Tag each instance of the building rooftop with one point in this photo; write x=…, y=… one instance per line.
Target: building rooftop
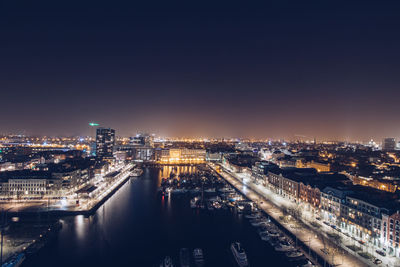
x=24, y=174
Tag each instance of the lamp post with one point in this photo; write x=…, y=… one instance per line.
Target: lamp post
x=309, y=243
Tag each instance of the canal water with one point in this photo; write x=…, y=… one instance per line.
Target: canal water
x=138, y=227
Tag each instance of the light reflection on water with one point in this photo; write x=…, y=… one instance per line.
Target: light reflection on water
x=80, y=226
x=165, y=171
x=137, y=227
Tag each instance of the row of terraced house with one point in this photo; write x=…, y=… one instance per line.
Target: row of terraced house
x=364, y=213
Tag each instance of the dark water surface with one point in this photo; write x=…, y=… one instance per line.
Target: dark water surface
x=137, y=227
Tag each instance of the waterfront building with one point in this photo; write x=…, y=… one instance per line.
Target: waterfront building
x=360, y=212
x=181, y=156
x=120, y=155
x=260, y=170
x=333, y=199
x=310, y=194
x=128, y=149
x=367, y=213
x=105, y=141
x=239, y=162
x=48, y=180
x=144, y=153
x=140, y=148
x=286, y=182
x=27, y=187
x=142, y=140
x=19, y=184
x=283, y=186
x=391, y=232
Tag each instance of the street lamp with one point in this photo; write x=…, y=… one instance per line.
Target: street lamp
x=309, y=243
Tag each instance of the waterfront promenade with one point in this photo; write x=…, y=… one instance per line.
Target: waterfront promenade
x=332, y=254
x=68, y=206
x=26, y=235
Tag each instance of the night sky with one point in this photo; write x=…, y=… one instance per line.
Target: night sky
x=328, y=69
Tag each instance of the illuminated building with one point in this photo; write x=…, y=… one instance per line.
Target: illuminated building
x=105, y=140
x=378, y=184
x=332, y=203
x=360, y=212
x=391, y=232
x=142, y=140
x=260, y=170
x=181, y=156
x=319, y=166
x=28, y=187
x=120, y=155
x=144, y=153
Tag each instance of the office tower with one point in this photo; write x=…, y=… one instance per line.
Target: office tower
x=105, y=140
x=388, y=144
x=143, y=140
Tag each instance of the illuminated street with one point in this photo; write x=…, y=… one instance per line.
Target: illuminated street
x=233, y=133
x=104, y=188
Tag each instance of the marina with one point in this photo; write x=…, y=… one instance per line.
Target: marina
x=146, y=227
x=213, y=193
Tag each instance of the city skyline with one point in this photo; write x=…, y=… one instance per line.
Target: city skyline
x=200, y=133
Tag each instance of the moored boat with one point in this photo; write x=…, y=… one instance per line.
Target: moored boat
x=272, y=233
x=252, y=216
x=284, y=246
x=217, y=205
x=194, y=203
x=137, y=172
x=239, y=254
x=294, y=254
x=15, y=261
x=210, y=190
x=264, y=236
x=184, y=257
x=167, y=262
x=198, y=257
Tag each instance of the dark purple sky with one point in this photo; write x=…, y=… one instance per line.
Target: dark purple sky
x=329, y=69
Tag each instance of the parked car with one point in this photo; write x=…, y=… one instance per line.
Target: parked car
x=377, y=261
x=325, y=251
x=380, y=252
